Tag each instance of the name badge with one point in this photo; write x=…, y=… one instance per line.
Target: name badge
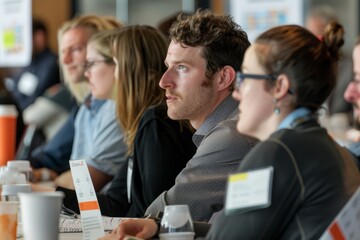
x=250, y=190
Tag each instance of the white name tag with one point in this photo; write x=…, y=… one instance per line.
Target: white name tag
x=249, y=190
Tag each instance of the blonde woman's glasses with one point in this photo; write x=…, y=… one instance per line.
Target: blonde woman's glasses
x=89, y=64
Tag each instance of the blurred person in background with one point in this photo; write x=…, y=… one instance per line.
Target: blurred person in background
x=75, y=140
x=41, y=74
x=352, y=95
x=317, y=19
x=338, y=112
x=31, y=82
x=50, y=111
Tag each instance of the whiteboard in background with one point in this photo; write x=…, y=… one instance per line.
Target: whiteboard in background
x=15, y=33
x=257, y=16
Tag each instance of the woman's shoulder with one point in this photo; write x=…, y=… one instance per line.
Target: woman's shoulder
x=157, y=118
x=299, y=133
x=154, y=113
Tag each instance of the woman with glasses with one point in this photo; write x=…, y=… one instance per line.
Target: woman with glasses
x=98, y=137
x=293, y=183
x=158, y=147
x=303, y=171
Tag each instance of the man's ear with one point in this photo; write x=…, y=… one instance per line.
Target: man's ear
x=282, y=86
x=226, y=77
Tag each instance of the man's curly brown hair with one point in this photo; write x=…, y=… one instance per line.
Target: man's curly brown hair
x=223, y=41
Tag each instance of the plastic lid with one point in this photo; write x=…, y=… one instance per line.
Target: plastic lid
x=8, y=110
x=21, y=165
x=11, y=169
x=56, y=194
x=14, y=189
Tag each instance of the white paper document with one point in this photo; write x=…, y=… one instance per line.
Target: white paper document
x=67, y=224
x=92, y=222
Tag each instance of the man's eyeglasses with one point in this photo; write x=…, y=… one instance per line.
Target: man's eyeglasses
x=89, y=64
x=240, y=77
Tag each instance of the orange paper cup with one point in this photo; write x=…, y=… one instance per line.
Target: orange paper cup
x=8, y=116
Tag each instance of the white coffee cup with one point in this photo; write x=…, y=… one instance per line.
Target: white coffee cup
x=40, y=215
x=176, y=223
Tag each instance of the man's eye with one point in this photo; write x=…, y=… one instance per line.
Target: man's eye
x=77, y=49
x=181, y=67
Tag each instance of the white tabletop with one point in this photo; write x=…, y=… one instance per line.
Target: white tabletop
x=70, y=236
x=66, y=236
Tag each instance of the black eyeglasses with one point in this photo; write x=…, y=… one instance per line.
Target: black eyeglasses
x=87, y=65
x=240, y=77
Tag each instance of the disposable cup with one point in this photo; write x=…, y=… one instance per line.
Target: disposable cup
x=176, y=218
x=177, y=236
x=176, y=223
x=8, y=220
x=40, y=212
x=10, y=192
x=23, y=166
x=8, y=115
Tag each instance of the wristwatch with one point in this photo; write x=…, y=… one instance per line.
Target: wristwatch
x=157, y=220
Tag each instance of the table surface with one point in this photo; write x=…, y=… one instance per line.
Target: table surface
x=62, y=236
x=66, y=236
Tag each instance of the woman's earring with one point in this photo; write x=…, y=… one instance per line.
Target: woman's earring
x=276, y=109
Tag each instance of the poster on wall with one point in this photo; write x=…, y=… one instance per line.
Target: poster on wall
x=256, y=16
x=15, y=33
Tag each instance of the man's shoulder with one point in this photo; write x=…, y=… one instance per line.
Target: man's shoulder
x=224, y=137
x=230, y=123
x=228, y=128
x=46, y=59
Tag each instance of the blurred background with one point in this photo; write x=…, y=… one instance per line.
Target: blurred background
x=153, y=11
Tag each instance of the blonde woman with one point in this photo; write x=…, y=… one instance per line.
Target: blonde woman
x=74, y=140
